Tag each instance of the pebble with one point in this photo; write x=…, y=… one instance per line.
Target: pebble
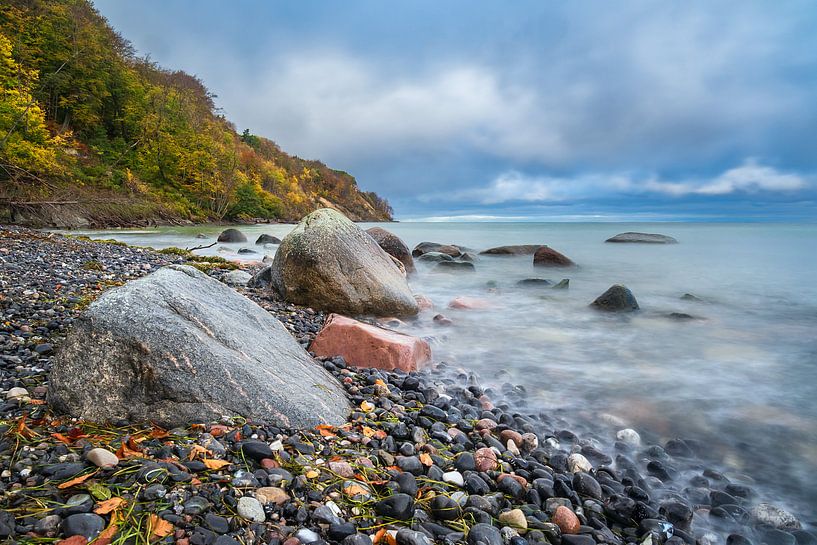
x=629, y=437
x=103, y=458
x=251, y=509
x=271, y=494
x=16, y=393
x=566, y=520
x=514, y=518
x=577, y=462
x=484, y=534
x=87, y=525
x=454, y=477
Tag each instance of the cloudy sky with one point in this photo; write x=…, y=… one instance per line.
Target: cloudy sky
x=534, y=110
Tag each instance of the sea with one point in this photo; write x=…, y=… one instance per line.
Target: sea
x=738, y=378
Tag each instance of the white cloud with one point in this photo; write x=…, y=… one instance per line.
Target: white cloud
x=513, y=186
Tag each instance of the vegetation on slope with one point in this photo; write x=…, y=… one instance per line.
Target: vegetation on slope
x=84, y=120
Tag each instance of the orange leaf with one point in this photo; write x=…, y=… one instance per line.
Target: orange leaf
x=325, y=430
x=158, y=433
x=197, y=451
x=355, y=489
x=215, y=464
x=61, y=437
x=380, y=434
x=77, y=480
x=158, y=527
x=368, y=432
x=125, y=451
x=106, y=536
x=366, y=407
x=107, y=506
x=426, y=460
x=383, y=536
x=23, y=429
x=36, y=401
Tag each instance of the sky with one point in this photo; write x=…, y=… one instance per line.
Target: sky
x=529, y=110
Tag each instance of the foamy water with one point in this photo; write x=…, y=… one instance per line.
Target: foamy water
x=742, y=379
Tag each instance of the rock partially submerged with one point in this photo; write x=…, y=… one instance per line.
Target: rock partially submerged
x=393, y=245
x=365, y=345
x=455, y=266
x=426, y=247
x=519, y=249
x=617, y=298
x=328, y=262
x=177, y=347
x=546, y=256
x=232, y=235
x=267, y=239
x=644, y=238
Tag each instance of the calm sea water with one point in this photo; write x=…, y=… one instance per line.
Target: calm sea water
x=742, y=379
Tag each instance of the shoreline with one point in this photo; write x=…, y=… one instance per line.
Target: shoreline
x=443, y=405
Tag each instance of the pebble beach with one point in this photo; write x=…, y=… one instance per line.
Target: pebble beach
x=424, y=457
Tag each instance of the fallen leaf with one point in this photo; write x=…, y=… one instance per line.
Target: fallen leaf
x=36, y=402
x=159, y=433
x=383, y=536
x=368, y=432
x=125, y=451
x=105, y=537
x=215, y=464
x=425, y=459
x=197, y=451
x=380, y=435
x=355, y=489
x=61, y=437
x=107, y=506
x=312, y=474
x=23, y=429
x=76, y=480
x=325, y=430
x=366, y=407
x=158, y=527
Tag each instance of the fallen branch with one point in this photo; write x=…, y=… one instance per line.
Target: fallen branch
x=201, y=247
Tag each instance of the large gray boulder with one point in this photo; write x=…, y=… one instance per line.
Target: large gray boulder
x=177, y=347
x=328, y=262
x=643, y=238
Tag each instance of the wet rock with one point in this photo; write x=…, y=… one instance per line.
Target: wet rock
x=629, y=437
x=393, y=245
x=187, y=331
x=271, y=494
x=616, y=299
x=577, y=462
x=435, y=257
x=586, y=486
x=514, y=518
x=775, y=517
x=444, y=508
x=267, y=239
x=397, y=506
x=87, y=525
x=366, y=345
x=644, y=238
x=428, y=247
x=469, y=303
x=520, y=249
x=485, y=459
x=566, y=520
x=410, y=537
x=328, y=262
x=484, y=534
x=548, y=257
x=455, y=266
x=232, y=235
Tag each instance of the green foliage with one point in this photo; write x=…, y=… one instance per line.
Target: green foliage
x=172, y=250
x=80, y=110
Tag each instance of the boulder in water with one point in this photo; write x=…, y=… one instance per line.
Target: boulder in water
x=644, y=238
x=455, y=266
x=531, y=282
x=267, y=239
x=616, y=299
x=434, y=257
x=519, y=249
x=393, y=245
x=176, y=347
x=546, y=256
x=426, y=247
x=328, y=262
x=232, y=235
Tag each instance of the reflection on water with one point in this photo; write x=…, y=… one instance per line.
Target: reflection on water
x=740, y=377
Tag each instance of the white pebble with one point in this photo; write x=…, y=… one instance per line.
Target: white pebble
x=629, y=436
x=577, y=462
x=251, y=509
x=306, y=535
x=453, y=477
x=103, y=458
x=17, y=393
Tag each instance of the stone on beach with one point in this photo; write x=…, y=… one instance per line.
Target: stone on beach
x=617, y=298
x=393, y=245
x=237, y=278
x=546, y=256
x=454, y=266
x=176, y=347
x=645, y=238
x=365, y=345
x=232, y=235
x=103, y=458
x=328, y=262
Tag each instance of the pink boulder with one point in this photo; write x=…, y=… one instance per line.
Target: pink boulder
x=364, y=345
x=423, y=302
x=469, y=303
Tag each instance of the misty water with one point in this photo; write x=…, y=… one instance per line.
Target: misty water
x=742, y=379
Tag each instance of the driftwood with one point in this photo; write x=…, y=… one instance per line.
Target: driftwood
x=201, y=247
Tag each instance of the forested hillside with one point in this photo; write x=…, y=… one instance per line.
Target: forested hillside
x=109, y=138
